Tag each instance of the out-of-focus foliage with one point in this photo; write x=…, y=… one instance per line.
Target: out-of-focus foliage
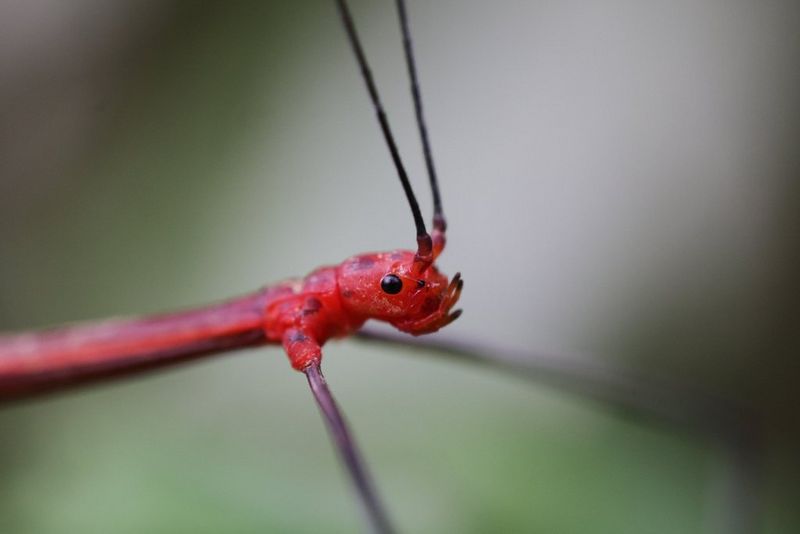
x=621, y=181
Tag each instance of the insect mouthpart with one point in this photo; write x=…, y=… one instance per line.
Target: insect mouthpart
x=441, y=316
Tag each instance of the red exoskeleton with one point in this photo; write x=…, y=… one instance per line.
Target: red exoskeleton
x=401, y=287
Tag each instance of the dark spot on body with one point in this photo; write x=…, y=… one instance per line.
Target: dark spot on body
x=347, y=294
x=362, y=263
x=312, y=306
x=298, y=337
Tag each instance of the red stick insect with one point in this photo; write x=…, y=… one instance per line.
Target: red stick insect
x=401, y=287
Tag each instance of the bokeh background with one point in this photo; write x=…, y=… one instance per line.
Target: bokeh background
x=621, y=180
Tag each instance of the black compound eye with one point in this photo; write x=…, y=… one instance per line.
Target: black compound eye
x=391, y=284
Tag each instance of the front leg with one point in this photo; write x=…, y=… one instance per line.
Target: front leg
x=301, y=348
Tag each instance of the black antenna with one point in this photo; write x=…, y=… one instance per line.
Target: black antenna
x=438, y=215
x=423, y=239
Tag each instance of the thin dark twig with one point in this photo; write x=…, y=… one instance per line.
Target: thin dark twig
x=348, y=451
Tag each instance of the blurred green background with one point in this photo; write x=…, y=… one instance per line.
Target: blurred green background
x=621, y=182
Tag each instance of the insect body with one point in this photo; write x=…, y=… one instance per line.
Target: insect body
x=302, y=315
x=402, y=287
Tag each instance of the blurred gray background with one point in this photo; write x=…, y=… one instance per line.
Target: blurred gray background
x=620, y=179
